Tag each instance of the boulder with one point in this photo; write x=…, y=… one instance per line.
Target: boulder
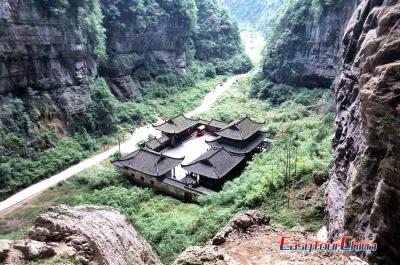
x=201, y=256
x=90, y=235
x=99, y=235
x=241, y=222
x=34, y=249
x=5, y=247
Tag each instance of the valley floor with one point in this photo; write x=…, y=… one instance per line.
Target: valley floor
x=170, y=225
x=287, y=182
x=140, y=134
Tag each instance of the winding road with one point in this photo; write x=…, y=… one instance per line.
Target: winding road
x=129, y=146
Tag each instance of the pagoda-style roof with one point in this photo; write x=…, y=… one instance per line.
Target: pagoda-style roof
x=217, y=124
x=240, y=129
x=148, y=162
x=215, y=163
x=155, y=143
x=176, y=125
x=241, y=148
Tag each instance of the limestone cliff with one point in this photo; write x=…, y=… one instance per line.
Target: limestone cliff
x=90, y=235
x=363, y=197
x=304, y=46
x=50, y=49
x=42, y=51
x=134, y=47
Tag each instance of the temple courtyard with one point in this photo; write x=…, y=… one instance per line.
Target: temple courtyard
x=191, y=149
x=193, y=157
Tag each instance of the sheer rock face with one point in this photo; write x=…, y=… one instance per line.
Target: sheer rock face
x=44, y=51
x=41, y=51
x=314, y=63
x=363, y=197
x=131, y=49
x=91, y=235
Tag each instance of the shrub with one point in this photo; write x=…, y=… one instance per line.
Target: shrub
x=275, y=93
x=210, y=71
x=18, y=172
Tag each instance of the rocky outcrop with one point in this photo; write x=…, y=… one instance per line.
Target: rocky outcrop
x=363, y=196
x=241, y=223
x=248, y=239
x=91, y=235
x=305, y=46
x=133, y=50
x=42, y=51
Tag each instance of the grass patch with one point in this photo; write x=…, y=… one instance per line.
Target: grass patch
x=166, y=101
x=171, y=226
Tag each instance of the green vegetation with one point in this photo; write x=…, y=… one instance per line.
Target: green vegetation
x=286, y=38
x=216, y=36
x=288, y=35
x=276, y=181
x=89, y=15
x=216, y=39
x=18, y=172
x=319, y=6
x=147, y=13
x=30, y=152
x=279, y=181
x=264, y=19
x=278, y=93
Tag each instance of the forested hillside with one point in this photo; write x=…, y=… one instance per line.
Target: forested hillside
x=304, y=46
x=80, y=75
x=76, y=72
x=260, y=14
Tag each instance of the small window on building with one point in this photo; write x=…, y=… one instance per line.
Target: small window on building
x=142, y=178
x=152, y=183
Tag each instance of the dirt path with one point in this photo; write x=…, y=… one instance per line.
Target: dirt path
x=140, y=134
x=213, y=96
x=260, y=246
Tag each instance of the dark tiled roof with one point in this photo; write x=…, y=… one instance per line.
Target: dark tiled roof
x=163, y=139
x=157, y=143
x=240, y=129
x=215, y=163
x=176, y=125
x=203, y=122
x=217, y=124
x=148, y=162
x=153, y=144
x=241, y=148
